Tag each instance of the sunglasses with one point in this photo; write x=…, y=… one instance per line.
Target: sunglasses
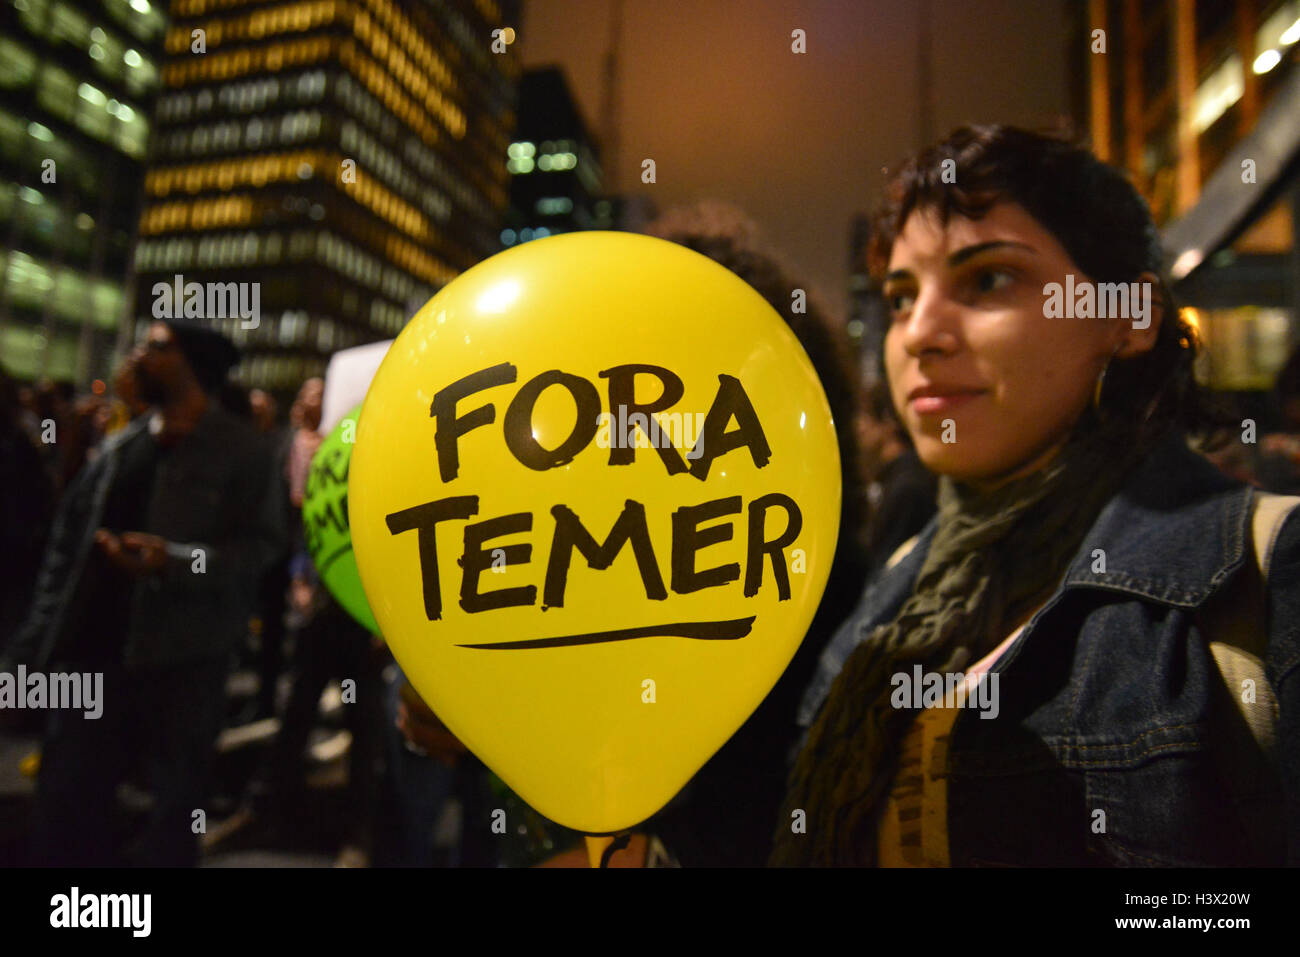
x=159, y=345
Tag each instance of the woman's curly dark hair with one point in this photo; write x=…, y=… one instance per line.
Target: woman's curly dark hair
x=1097, y=216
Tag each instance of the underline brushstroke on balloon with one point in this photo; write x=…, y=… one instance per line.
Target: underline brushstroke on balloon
x=728, y=630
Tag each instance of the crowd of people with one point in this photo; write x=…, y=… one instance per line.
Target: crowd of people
x=152, y=533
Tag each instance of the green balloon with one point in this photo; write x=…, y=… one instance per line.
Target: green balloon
x=325, y=521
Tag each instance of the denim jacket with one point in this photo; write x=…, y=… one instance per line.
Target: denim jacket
x=1111, y=700
x=214, y=501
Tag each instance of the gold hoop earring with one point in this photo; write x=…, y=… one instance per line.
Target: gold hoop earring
x=1096, y=392
x=1101, y=382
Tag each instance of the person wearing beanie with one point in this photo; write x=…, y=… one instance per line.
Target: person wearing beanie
x=208, y=353
x=148, y=579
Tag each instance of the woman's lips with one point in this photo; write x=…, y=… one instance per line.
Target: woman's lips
x=933, y=404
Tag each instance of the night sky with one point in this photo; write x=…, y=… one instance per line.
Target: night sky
x=712, y=92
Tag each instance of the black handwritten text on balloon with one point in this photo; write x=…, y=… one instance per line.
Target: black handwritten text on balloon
x=325, y=507
x=630, y=529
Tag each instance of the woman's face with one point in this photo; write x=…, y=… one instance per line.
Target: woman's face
x=987, y=386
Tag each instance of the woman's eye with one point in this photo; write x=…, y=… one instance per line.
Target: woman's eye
x=991, y=280
x=899, y=301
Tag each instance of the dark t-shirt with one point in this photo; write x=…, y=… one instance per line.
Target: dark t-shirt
x=104, y=609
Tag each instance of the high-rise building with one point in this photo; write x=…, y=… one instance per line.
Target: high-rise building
x=77, y=83
x=1199, y=101
x=337, y=161
x=554, y=165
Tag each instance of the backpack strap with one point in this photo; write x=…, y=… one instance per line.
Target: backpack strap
x=1239, y=640
x=1235, y=624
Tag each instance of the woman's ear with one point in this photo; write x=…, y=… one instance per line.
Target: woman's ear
x=1147, y=311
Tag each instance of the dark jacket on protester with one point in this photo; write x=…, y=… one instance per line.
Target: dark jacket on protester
x=213, y=491
x=1111, y=698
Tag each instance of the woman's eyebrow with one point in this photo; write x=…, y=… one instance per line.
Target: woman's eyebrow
x=961, y=255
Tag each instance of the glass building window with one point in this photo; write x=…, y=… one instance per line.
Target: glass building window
x=33, y=13
x=142, y=18
x=58, y=92
x=108, y=54
x=133, y=134
x=17, y=65
x=92, y=114
x=13, y=135
x=141, y=73
x=69, y=25
x=28, y=281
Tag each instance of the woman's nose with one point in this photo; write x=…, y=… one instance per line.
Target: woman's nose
x=932, y=325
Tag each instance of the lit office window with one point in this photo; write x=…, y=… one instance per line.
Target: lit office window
x=13, y=135
x=292, y=327
x=141, y=73
x=132, y=129
x=57, y=92
x=29, y=282
x=33, y=14
x=108, y=54
x=140, y=17
x=1220, y=90
x=17, y=65
x=69, y=25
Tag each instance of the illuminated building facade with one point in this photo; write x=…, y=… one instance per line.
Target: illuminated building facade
x=344, y=154
x=1199, y=101
x=553, y=162
x=77, y=81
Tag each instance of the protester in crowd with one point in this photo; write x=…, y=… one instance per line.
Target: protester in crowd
x=265, y=411
x=234, y=399
x=29, y=417
x=273, y=590
x=328, y=645
x=440, y=792
x=48, y=412
x=421, y=757
x=148, y=580
x=1083, y=560
x=304, y=417
x=80, y=432
x=25, y=510
x=118, y=412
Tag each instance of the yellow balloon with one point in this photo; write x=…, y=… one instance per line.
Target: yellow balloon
x=594, y=501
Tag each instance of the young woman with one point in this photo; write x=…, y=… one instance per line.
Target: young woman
x=1120, y=682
